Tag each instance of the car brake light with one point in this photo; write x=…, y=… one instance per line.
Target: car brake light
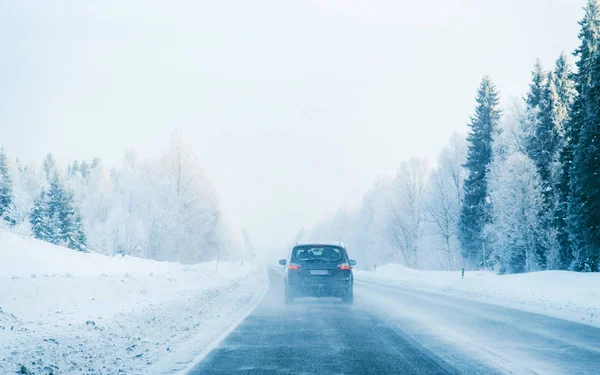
x=344, y=266
x=293, y=267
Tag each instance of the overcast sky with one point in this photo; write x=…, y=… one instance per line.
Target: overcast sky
x=294, y=107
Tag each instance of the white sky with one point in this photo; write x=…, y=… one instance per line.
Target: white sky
x=294, y=107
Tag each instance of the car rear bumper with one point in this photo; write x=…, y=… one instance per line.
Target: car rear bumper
x=326, y=287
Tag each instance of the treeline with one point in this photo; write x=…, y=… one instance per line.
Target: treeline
x=163, y=209
x=524, y=197
x=411, y=218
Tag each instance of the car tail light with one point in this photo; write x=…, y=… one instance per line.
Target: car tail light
x=293, y=267
x=344, y=266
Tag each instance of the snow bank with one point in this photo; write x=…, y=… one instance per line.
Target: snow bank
x=566, y=295
x=22, y=257
x=88, y=313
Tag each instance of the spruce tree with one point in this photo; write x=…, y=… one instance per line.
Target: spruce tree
x=49, y=167
x=84, y=168
x=54, y=201
x=565, y=88
x=546, y=143
x=581, y=157
x=565, y=93
x=95, y=162
x=533, y=108
x=39, y=218
x=536, y=88
x=64, y=221
x=72, y=234
x=75, y=167
x=535, y=122
x=475, y=209
x=548, y=135
x=6, y=192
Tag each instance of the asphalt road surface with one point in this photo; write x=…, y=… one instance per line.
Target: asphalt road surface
x=395, y=330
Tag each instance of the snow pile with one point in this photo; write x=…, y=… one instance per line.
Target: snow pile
x=73, y=312
x=566, y=295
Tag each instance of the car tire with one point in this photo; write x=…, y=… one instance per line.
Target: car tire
x=289, y=297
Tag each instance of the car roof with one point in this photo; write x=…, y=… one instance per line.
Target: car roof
x=321, y=243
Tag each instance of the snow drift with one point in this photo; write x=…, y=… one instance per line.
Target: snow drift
x=71, y=312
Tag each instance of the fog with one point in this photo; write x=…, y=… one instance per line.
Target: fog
x=293, y=108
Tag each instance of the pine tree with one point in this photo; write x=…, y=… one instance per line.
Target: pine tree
x=80, y=239
x=55, y=218
x=6, y=192
x=582, y=156
x=49, y=167
x=74, y=168
x=95, y=163
x=565, y=92
x=475, y=209
x=39, y=218
x=536, y=88
x=72, y=234
x=84, y=168
x=565, y=87
x=533, y=108
x=548, y=134
x=534, y=122
x=65, y=223
x=54, y=201
x=546, y=142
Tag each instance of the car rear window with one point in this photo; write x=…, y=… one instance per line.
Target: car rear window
x=317, y=253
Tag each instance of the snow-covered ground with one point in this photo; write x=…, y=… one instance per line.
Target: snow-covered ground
x=67, y=312
x=565, y=295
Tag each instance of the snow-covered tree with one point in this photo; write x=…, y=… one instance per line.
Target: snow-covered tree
x=535, y=95
x=55, y=218
x=370, y=235
x=6, y=188
x=445, y=197
x=534, y=101
x=26, y=185
x=407, y=210
x=64, y=220
x=475, y=209
x=583, y=152
x=515, y=229
x=95, y=162
x=164, y=209
x=513, y=183
x=84, y=169
x=542, y=124
x=192, y=209
x=364, y=229
x=548, y=134
x=95, y=197
x=39, y=218
x=130, y=218
x=49, y=167
x=73, y=168
x=550, y=140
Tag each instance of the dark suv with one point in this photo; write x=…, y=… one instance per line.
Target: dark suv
x=319, y=270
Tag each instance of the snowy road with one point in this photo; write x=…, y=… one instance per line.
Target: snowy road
x=462, y=332
x=393, y=330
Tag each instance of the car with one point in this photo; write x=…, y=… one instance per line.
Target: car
x=319, y=270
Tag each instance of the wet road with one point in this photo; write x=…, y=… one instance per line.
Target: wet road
x=465, y=332
x=398, y=330
x=320, y=336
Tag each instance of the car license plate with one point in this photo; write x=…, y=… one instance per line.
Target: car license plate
x=318, y=272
